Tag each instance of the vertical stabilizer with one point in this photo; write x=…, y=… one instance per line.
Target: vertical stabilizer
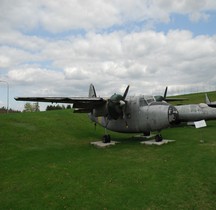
x=207, y=100
x=92, y=92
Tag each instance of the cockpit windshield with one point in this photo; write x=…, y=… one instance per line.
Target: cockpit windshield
x=146, y=100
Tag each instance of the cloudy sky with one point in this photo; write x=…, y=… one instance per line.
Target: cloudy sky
x=57, y=48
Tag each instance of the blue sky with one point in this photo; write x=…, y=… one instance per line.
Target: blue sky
x=182, y=22
x=50, y=48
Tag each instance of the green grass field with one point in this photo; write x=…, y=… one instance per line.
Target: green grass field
x=196, y=98
x=47, y=162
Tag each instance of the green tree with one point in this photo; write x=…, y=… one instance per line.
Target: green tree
x=68, y=106
x=36, y=107
x=28, y=107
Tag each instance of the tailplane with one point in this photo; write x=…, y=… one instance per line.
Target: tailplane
x=92, y=92
x=207, y=100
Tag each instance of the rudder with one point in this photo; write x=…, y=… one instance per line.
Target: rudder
x=92, y=92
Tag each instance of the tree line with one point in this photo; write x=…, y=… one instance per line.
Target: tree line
x=34, y=107
x=3, y=110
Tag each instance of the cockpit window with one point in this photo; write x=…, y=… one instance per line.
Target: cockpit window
x=142, y=102
x=149, y=99
x=146, y=100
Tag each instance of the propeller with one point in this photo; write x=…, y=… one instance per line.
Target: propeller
x=164, y=97
x=116, y=104
x=165, y=93
x=126, y=92
x=160, y=98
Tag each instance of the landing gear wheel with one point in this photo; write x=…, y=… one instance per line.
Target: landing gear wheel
x=147, y=133
x=106, y=139
x=158, y=138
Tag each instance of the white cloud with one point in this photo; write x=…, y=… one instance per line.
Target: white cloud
x=75, y=73
x=58, y=16
x=16, y=39
x=35, y=76
x=77, y=14
x=4, y=61
x=39, y=62
x=110, y=59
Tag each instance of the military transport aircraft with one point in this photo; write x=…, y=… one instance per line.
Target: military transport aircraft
x=132, y=114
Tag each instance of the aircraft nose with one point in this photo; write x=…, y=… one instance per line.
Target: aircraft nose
x=173, y=115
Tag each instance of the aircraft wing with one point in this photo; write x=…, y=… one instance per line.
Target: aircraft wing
x=83, y=103
x=175, y=99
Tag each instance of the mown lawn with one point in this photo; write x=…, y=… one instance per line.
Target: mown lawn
x=47, y=162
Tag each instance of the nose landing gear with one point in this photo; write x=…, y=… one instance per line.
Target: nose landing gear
x=106, y=138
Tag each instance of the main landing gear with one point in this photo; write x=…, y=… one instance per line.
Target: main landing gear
x=158, y=137
x=106, y=138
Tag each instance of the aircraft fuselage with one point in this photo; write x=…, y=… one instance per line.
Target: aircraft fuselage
x=142, y=114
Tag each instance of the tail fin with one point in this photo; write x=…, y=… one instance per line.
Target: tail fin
x=92, y=92
x=207, y=100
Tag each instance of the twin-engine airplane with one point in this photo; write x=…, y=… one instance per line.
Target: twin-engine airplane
x=134, y=114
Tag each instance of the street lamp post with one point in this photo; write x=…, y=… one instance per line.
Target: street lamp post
x=7, y=94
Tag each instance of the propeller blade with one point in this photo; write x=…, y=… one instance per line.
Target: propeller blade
x=126, y=92
x=165, y=93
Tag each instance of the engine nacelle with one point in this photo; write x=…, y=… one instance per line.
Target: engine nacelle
x=113, y=109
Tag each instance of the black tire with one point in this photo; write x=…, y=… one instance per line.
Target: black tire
x=106, y=139
x=158, y=138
